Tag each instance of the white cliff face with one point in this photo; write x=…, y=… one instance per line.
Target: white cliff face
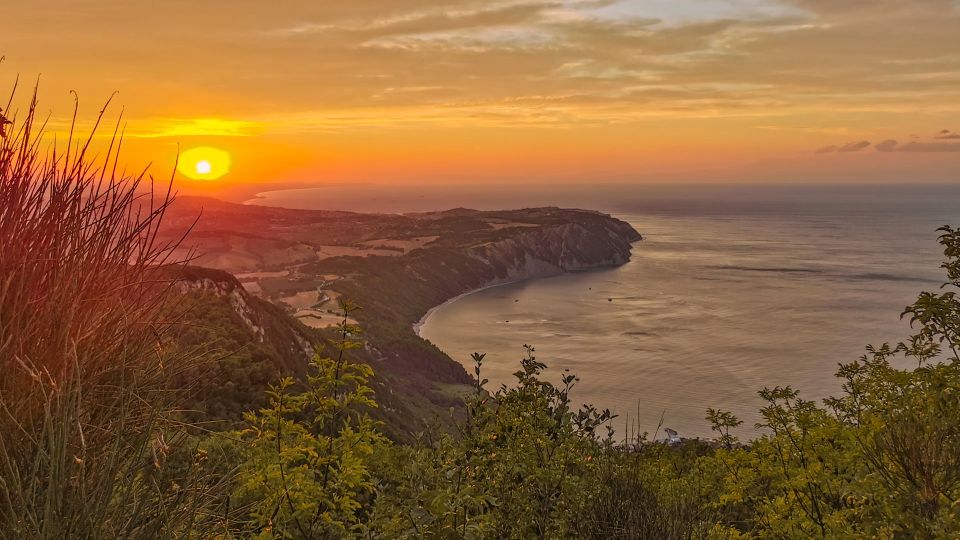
x=536, y=252
x=552, y=250
x=234, y=292
x=284, y=334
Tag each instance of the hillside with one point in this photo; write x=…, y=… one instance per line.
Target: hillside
x=291, y=268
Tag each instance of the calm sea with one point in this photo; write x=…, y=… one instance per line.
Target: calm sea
x=734, y=288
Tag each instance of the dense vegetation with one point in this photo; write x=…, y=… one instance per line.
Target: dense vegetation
x=94, y=441
x=882, y=460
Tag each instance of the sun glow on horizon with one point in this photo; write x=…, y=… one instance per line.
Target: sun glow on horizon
x=204, y=163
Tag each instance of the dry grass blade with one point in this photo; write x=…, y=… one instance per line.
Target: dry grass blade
x=85, y=424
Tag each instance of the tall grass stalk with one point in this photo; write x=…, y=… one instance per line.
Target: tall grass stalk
x=87, y=422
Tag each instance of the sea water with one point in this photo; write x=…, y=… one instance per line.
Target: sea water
x=733, y=289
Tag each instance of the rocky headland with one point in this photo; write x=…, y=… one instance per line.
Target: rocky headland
x=289, y=269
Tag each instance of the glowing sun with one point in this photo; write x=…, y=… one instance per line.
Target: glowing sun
x=204, y=163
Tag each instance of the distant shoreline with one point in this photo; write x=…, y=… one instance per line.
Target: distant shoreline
x=417, y=326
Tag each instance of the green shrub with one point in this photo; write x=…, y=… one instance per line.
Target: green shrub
x=306, y=471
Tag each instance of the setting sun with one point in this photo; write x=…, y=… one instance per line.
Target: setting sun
x=204, y=163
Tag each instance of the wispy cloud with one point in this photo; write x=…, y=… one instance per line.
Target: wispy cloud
x=195, y=127
x=854, y=146
x=888, y=145
x=595, y=80
x=304, y=55
x=948, y=135
x=849, y=147
x=929, y=147
x=891, y=145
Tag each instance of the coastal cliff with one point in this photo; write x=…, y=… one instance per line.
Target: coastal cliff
x=537, y=243
x=397, y=292
x=396, y=267
x=264, y=323
x=551, y=250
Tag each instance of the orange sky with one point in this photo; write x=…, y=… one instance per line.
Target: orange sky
x=502, y=91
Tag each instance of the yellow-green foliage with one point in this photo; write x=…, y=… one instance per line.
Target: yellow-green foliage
x=306, y=472
x=882, y=460
x=515, y=468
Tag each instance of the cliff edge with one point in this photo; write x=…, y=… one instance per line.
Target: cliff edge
x=291, y=268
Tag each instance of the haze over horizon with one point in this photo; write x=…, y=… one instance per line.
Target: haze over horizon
x=465, y=91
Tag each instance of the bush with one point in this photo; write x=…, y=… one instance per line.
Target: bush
x=879, y=461
x=306, y=471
